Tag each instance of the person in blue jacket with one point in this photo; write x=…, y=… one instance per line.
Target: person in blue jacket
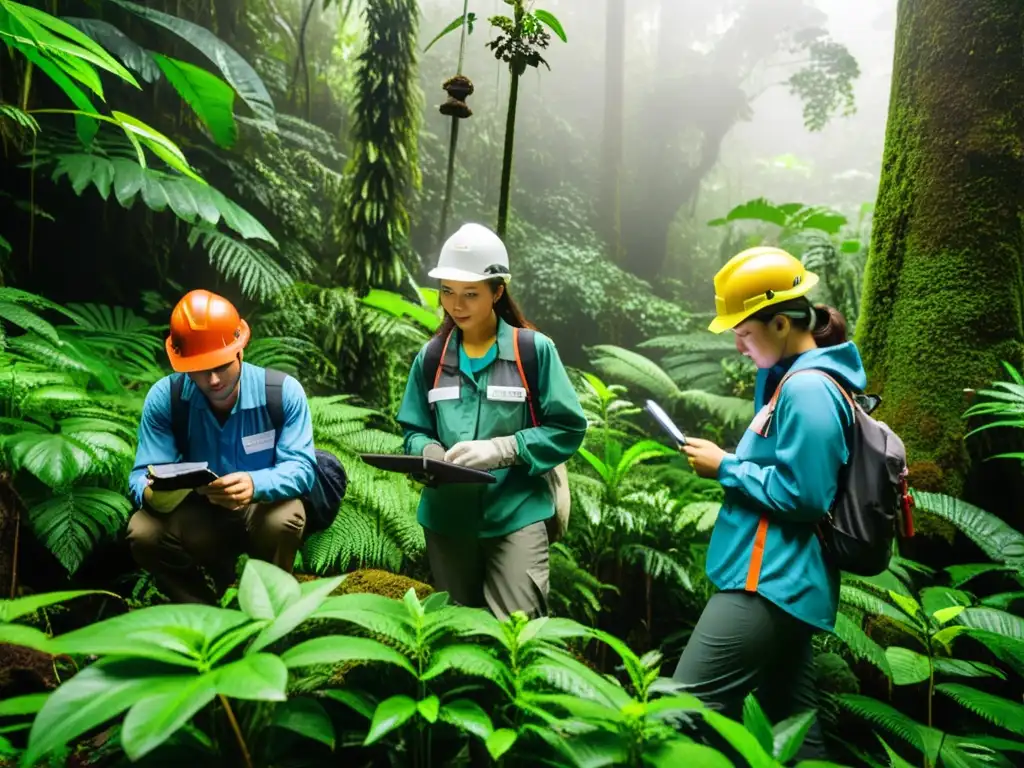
x=256, y=504
x=775, y=587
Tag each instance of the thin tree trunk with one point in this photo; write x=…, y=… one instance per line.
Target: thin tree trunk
x=609, y=205
x=944, y=284
x=506, y=162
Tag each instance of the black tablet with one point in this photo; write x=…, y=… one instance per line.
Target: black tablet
x=176, y=477
x=442, y=471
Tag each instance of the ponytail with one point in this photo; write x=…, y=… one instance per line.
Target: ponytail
x=826, y=324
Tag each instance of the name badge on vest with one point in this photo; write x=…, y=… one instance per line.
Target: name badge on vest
x=263, y=441
x=444, y=393
x=507, y=394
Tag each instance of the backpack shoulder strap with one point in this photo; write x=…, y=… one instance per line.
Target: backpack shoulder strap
x=846, y=395
x=274, y=387
x=179, y=415
x=433, y=356
x=770, y=406
x=525, y=343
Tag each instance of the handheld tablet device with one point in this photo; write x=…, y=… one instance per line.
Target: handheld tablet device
x=666, y=423
x=177, y=477
x=442, y=471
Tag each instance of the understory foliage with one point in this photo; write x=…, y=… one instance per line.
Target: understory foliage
x=308, y=224
x=295, y=665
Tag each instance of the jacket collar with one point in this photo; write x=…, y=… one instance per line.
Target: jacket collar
x=248, y=397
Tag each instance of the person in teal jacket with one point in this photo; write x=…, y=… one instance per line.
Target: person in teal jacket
x=775, y=586
x=487, y=544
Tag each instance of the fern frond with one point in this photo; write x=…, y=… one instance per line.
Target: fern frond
x=1002, y=712
x=259, y=277
x=884, y=716
x=860, y=645
x=657, y=564
x=19, y=118
x=71, y=524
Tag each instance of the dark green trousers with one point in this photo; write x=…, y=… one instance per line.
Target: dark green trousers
x=744, y=643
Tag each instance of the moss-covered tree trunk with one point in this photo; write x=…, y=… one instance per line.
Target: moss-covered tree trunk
x=944, y=287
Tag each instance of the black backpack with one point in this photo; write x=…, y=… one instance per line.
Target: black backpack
x=321, y=509
x=873, y=505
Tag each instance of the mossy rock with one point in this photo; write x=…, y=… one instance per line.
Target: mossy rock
x=378, y=582
x=364, y=581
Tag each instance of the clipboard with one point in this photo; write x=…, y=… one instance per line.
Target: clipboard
x=182, y=476
x=444, y=472
x=666, y=423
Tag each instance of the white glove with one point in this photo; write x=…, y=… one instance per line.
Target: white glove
x=495, y=453
x=433, y=451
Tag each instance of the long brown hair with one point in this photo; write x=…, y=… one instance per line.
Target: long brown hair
x=505, y=308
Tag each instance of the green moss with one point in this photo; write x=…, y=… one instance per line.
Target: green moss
x=383, y=583
x=943, y=286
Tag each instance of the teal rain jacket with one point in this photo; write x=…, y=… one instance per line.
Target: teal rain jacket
x=521, y=495
x=790, y=478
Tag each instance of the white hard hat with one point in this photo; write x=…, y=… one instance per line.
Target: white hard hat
x=472, y=254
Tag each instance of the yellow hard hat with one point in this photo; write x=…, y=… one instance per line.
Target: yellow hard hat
x=754, y=279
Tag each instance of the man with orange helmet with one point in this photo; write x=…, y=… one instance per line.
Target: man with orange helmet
x=214, y=409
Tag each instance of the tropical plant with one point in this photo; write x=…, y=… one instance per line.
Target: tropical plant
x=925, y=623
x=639, y=372
x=376, y=525
x=523, y=36
x=371, y=219
x=1005, y=402
x=195, y=671
x=816, y=235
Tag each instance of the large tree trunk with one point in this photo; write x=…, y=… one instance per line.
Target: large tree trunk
x=609, y=204
x=944, y=288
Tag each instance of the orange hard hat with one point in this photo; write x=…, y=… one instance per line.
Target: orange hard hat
x=206, y=332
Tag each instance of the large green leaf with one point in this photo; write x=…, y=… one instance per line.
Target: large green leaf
x=265, y=590
x=336, y=649
x=22, y=606
x=1003, y=712
x=175, y=634
x=298, y=609
x=908, y=667
x=98, y=693
x=189, y=200
x=235, y=69
x=68, y=47
x=131, y=54
x=154, y=719
x=85, y=127
x=210, y=97
x=999, y=541
x=306, y=717
x=391, y=713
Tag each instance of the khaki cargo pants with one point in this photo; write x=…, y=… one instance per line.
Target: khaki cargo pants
x=199, y=533
x=504, y=574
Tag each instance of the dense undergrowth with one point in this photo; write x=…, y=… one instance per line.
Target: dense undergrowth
x=355, y=659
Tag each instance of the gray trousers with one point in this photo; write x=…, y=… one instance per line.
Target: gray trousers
x=504, y=574
x=743, y=643
x=199, y=533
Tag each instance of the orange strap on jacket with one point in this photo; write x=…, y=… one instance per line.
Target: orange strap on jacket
x=757, y=555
